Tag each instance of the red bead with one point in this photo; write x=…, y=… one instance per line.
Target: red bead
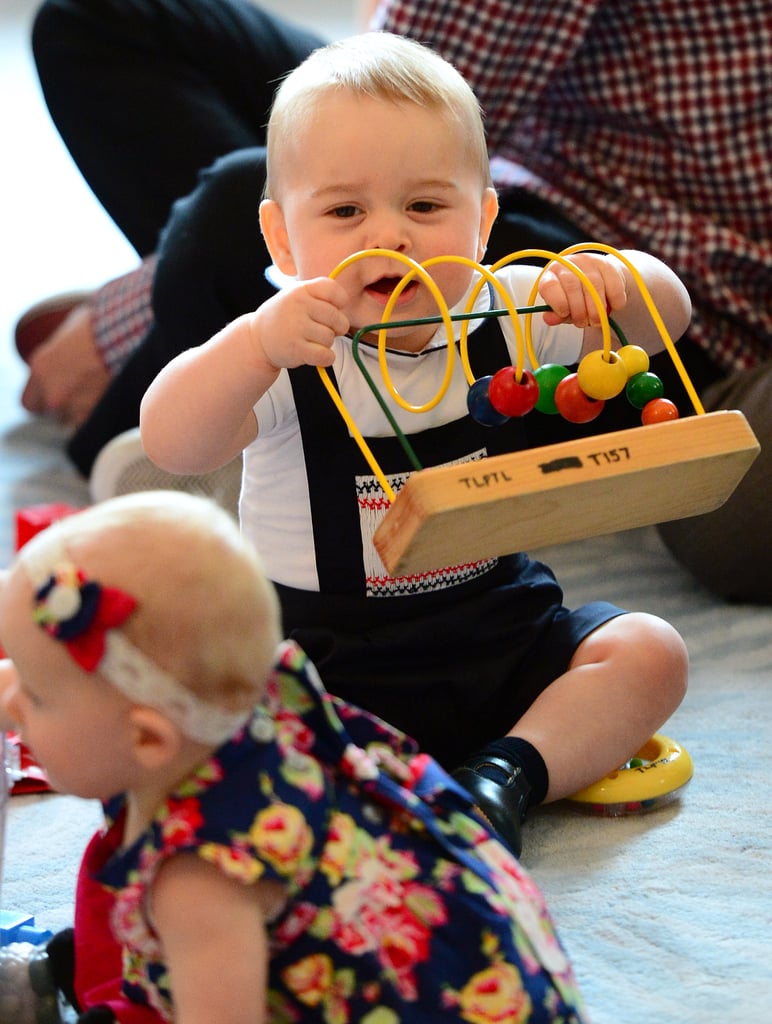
x=573, y=404
x=659, y=410
x=510, y=396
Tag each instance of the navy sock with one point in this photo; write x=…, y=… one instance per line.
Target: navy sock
x=520, y=754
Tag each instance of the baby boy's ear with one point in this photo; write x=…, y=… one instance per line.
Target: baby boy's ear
x=155, y=738
x=488, y=213
x=274, y=229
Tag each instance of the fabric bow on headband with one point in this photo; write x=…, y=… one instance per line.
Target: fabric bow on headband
x=79, y=611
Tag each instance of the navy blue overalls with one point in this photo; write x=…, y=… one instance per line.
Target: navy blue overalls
x=455, y=667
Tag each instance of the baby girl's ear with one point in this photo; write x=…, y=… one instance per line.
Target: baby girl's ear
x=155, y=739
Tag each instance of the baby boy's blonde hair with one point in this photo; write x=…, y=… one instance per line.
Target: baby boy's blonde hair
x=380, y=66
x=206, y=613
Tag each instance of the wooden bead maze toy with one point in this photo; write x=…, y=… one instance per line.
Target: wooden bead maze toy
x=667, y=469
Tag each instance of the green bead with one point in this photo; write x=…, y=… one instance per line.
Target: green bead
x=548, y=376
x=642, y=388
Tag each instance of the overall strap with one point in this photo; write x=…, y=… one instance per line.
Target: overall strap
x=334, y=460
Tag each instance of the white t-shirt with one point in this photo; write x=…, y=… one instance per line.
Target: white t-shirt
x=274, y=507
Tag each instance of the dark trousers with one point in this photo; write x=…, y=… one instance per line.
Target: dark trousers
x=163, y=106
x=147, y=93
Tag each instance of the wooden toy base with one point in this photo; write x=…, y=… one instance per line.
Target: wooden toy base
x=600, y=484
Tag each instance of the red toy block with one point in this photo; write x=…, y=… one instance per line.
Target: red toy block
x=35, y=518
x=29, y=777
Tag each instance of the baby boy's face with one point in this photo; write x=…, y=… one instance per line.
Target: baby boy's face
x=365, y=173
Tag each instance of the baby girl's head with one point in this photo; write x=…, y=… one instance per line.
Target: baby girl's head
x=159, y=595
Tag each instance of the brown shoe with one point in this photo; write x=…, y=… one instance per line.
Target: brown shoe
x=41, y=320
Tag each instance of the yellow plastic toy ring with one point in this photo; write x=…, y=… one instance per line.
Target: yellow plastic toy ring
x=654, y=776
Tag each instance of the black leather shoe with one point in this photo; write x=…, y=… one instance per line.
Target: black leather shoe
x=503, y=802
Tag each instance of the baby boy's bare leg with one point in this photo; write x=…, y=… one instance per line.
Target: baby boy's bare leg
x=624, y=681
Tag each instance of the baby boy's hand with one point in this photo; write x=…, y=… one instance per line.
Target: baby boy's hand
x=560, y=288
x=298, y=326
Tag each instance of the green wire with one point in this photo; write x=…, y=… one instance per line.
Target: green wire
x=482, y=315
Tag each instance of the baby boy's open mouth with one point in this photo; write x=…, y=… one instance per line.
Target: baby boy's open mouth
x=384, y=286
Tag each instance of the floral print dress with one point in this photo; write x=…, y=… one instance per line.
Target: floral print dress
x=402, y=905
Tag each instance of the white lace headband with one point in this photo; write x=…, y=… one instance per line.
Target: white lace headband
x=85, y=617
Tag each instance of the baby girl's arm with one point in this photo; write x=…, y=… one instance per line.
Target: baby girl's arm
x=212, y=930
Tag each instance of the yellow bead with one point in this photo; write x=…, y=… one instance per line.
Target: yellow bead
x=635, y=358
x=602, y=377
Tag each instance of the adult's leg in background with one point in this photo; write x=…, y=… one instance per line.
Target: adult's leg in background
x=211, y=268
x=147, y=93
x=728, y=550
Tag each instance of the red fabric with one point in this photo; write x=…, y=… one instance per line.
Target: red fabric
x=122, y=314
x=98, y=957
x=31, y=777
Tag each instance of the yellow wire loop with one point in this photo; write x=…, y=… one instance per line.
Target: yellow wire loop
x=524, y=338
x=600, y=305
x=414, y=269
x=653, y=312
x=364, y=447
x=486, y=276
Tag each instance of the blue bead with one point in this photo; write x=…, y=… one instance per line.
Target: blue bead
x=479, y=405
